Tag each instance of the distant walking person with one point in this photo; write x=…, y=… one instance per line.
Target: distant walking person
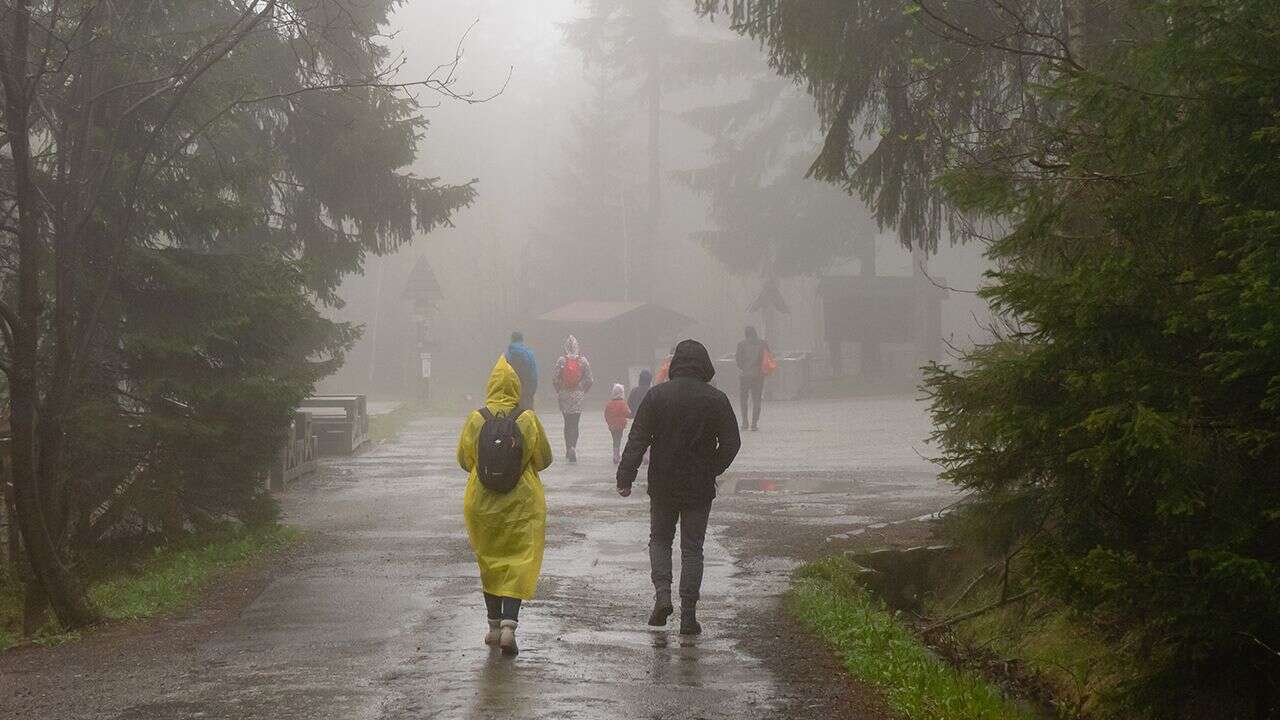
x=751, y=372
x=503, y=448
x=616, y=415
x=639, y=391
x=572, y=381
x=693, y=433
x=521, y=360
x=637, y=395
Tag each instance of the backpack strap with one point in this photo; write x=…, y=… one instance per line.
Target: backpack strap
x=484, y=413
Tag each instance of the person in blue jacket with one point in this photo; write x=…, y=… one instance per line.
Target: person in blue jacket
x=520, y=357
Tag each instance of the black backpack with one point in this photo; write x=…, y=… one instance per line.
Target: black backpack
x=500, y=451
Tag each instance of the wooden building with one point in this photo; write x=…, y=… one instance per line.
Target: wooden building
x=875, y=311
x=618, y=338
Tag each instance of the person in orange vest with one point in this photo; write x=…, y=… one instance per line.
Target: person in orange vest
x=664, y=371
x=753, y=357
x=616, y=415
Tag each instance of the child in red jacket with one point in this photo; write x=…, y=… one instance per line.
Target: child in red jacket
x=616, y=414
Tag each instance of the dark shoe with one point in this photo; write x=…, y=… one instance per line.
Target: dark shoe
x=689, y=622
x=661, y=611
x=572, y=456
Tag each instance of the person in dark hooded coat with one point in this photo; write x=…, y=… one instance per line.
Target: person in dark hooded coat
x=691, y=430
x=639, y=391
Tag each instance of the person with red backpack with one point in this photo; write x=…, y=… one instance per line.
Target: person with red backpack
x=572, y=381
x=502, y=449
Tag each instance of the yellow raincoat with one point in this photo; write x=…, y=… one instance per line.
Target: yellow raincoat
x=506, y=529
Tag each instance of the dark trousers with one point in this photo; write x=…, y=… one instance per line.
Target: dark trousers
x=502, y=608
x=617, y=439
x=751, y=388
x=693, y=531
x=571, y=430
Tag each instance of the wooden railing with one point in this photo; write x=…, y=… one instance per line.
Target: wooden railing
x=297, y=455
x=340, y=423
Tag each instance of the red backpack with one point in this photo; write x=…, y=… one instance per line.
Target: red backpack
x=571, y=373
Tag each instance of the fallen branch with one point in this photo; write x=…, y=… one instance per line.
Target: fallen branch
x=942, y=624
x=972, y=584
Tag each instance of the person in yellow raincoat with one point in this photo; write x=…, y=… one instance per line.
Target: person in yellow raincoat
x=506, y=528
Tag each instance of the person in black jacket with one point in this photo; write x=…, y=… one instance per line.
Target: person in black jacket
x=693, y=433
x=639, y=391
x=750, y=360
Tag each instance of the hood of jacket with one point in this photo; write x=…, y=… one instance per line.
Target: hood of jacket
x=618, y=392
x=691, y=360
x=571, y=346
x=646, y=379
x=503, y=390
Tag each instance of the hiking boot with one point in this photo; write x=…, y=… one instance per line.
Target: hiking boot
x=491, y=638
x=507, y=638
x=689, y=622
x=661, y=611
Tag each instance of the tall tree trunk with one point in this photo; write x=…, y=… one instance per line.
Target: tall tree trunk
x=53, y=576
x=655, y=253
x=869, y=347
x=13, y=541
x=1073, y=21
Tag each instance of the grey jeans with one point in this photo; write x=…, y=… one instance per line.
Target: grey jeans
x=693, y=531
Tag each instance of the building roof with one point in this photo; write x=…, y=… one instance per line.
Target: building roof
x=599, y=312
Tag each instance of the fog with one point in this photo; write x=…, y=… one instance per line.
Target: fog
x=560, y=151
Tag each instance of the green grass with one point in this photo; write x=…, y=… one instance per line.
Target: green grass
x=878, y=650
x=176, y=574
x=168, y=578
x=1082, y=670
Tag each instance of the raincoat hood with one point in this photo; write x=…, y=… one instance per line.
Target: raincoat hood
x=618, y=392
x=646, y=379
x=571, y=346
x=503, y=390
x=691, y=360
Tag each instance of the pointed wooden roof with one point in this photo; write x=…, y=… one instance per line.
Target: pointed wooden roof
x=422, y=283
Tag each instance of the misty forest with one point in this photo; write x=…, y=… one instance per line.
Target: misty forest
x=850, y=359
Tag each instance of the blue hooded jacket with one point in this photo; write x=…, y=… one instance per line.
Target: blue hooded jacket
x=521, y=358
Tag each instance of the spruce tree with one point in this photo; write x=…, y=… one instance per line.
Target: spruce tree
x=230, y=159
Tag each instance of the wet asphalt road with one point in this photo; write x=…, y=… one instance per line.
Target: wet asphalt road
x=381, y=616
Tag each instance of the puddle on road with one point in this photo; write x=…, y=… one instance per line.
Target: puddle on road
x=797, y=484
x=657, y=638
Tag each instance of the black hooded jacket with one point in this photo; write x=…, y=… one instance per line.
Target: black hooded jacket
x=691, y=429
x=639, y=391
